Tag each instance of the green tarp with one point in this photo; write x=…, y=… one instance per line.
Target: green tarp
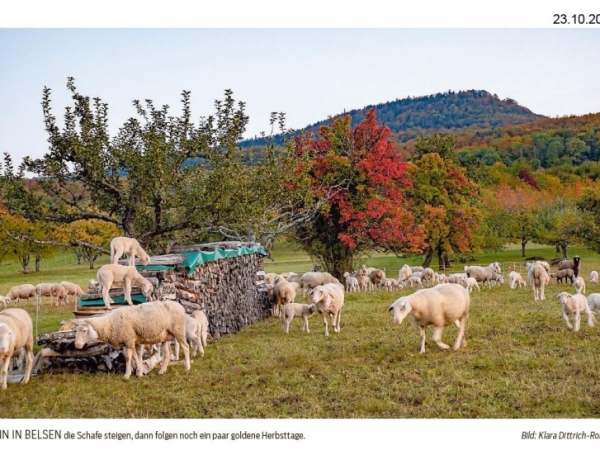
x=136, y=299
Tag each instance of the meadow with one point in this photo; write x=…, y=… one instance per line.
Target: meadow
x=520, y=362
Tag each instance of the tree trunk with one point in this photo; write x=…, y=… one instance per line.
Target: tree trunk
x=523, y=244
x=428, y=258
x=92, y=260
x=441, y=260
x=564, y=247
x=38, y=259
x=24, y=260
x=78, y=254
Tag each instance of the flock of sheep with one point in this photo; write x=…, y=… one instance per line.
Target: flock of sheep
x=134, y=328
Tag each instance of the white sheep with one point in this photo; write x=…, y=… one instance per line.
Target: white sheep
x=441, y=278
x=72, y=289
x=575, y=304
x=455, y=278
x=594, y=302
x=470, y=283
x=132, y=327
x=579, y=284
x=593, y=276
x=311, y=280
x=429, y=277
x=4, y=300
x=351, y=283
x=516, y=280
x=364, y=283
x=200, y=316
x=22, y=292
x=110, y=274
x=416, y=269
x=376, y=276
x=292, y=310
x=127, y=246
x=329, y=300
x=405, y=273
x=93, y=284
x=539, y=278
x=439, y=306
x=51, y=290
x=283, y=293
x=483, y=274
x=413, y=280
x=16, y=333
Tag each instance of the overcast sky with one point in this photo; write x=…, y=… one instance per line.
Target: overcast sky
x=309, y=74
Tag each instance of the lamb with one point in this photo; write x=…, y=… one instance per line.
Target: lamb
x=439, y=306
x=575, y=304
x=72, y=289
x=51, y=290
x=4, y=300
x=115, y=273
x=132, y=327
x=201, y=317
x=428, y=277
x=574, y=265
x=364, y=283
x=413, y=280
x=405, y=273
x=470, y=283
x=22, y=292
x=516, y=280
x=130, y=247
x=16, y=333
x=495, y=266
x=193, y=329
x=93, y=284
x=594, y=302
x=579, y=285
x=538, y=278
x=351, y=283
x=455, y=278
x=329, y=300
x=376, y=276
x=292, y=310
x=593, y=276
x=565, y=274
x=284, y=293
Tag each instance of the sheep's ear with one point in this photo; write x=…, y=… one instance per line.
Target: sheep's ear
x=391, y=308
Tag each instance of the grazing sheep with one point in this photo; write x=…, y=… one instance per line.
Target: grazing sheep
x=565, y=274
x=295, y=278
x=292, y=310
x=51, y=290
x=516, y=280
x=544, y=264
x=579, y=285
x=131, y=327
x=72, y=289
x=311, y=280
x=376, y=276
x=110, y=274
x=470, y=283
x=351, y=283
x=284, y=293
x=201, y=317
x=416, y=269
x=482, y=274
x=439, y=306
x=270, y=278
x=538, y=278
x=16, y=333
x=364, y=283
x=4, y=300
x=441, y=278
x=127, y=246
x=593, y=276
x=455, y=278
x=574, y=265
x=22, y=292
x=575, y=304
x=428, y=278
x=329, y=300
x=405, y=273
x=414, y=280
x=594, y=302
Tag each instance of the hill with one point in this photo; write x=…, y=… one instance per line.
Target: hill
x=449, y=111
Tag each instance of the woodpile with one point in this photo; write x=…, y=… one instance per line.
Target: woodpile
x=229, y=290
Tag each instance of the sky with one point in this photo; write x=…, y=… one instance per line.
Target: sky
x=309, y=74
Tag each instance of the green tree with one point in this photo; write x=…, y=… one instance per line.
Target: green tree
x=559, y=223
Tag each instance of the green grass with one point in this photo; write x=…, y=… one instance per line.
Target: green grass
x=521, y=362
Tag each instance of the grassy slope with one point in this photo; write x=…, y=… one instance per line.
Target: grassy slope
x=520, y=362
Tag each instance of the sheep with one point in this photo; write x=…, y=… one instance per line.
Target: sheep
x=131, y=327
x=270, y=278
x=193, y=329
x=115, y=273
x=455, y=278
x=594, y=302
x=93, y=284
x=4, y=300
x=200, y=316
x=351, y=283
x=575, y=304
x=292, y=310
x=574, y=265
x=516, y=280
x=538, y=278
x=386, y=284
x=439, y=306
x=470, y=283
x=417, y=268
x=16, y=333
x=441, y=278
x=496, y=280
x=593, y=276
x=495, y=266
x=376, y=276
x=428, y=277
x=22, y=292
x=295, y=278
x=565, y=274
x=544, y=264
x=284, y=293
x=72, y=289
x=310, y=280
x=364, y=283
x=579, y=285
x=483, y=274
x=329, y=300
x=405, y=273
x=51, y=290
x=414, y=280
x=130, y=247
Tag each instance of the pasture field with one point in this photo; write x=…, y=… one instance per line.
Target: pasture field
x=520, y=362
